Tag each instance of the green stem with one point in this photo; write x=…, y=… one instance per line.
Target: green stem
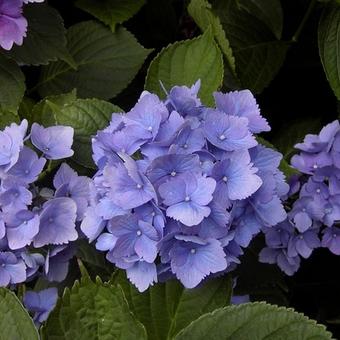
x=49, y=169
x=310, y=8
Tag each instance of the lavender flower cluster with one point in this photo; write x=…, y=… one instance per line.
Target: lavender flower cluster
x=37, y=225
x=13, y=25
x=181, y=188
x=314, y=219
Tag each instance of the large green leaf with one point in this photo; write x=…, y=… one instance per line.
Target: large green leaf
x=86, y=116
x=12, y=84
x=166, y=308
x=111, y=12
x=8, y=117
x=95, y=311
x=268, y=11
x=258, y=53
x=329, y=45
x=43, y=113
x=184, y=62
x=106, y=62
x=15, y=323
x=201, y=12
x=25, y=109
x=46, y=37
x=254, y=321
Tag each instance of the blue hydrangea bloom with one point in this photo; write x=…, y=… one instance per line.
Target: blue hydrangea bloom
x=312, y=221
x=182, y=188
x=37, y=225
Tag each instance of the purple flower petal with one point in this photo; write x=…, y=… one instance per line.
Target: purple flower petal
x=57, y=222
x=228, y=132
x=242, y=104
x=142, y=275
x=55, y=142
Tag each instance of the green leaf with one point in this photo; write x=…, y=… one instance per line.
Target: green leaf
x=15, y=323
x=86, y=116
x=166, y=308
x=42, y=112
x=111, y=12
x=106, y=62
x=329, y=45
x=25, y=109
x=8, y=117
x=201, y=12
x=184, y=62
x=268, y=11
x=12, y=84
x=96, y=311
x=254, y=321
x=46, y=37
x=258, y=54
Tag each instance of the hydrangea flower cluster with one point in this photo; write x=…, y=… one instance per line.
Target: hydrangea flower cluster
x=37, y=224
x=13, y=25
x=199, y=191
x=314, y=219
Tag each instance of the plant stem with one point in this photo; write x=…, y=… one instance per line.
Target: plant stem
x=310, y=8
x=49, y=169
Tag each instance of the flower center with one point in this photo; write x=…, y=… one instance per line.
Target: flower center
x=139, y=233
x=173, y=173
x=139, y=186
x=187, y=198
x=222, y=137
x=225, y=178
x=193, y=251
